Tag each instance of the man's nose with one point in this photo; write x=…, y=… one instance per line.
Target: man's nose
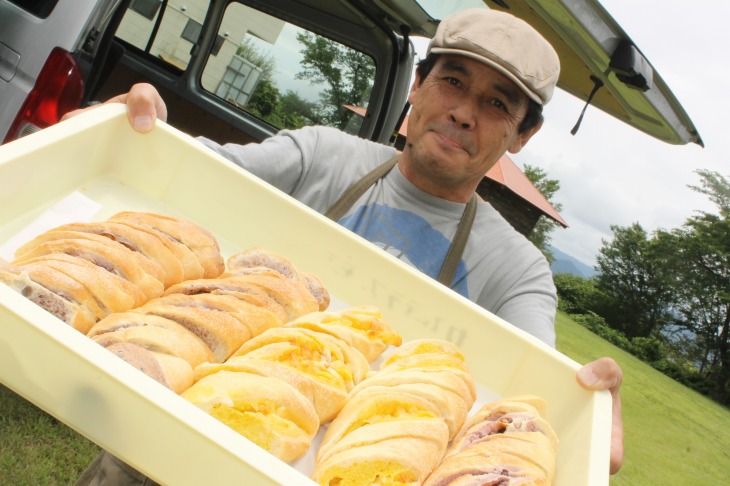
x=462, y=114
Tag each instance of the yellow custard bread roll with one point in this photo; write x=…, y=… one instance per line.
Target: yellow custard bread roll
x=270, y=413
x=396, y=424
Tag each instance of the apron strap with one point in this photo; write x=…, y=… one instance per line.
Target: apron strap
x=451, y=262
x=345, y=202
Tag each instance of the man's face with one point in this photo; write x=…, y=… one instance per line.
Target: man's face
x=464, y=117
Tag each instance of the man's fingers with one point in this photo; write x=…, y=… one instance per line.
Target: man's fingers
x=144, y=106
x=606, y=374
x=602, y=374
x=617, y=440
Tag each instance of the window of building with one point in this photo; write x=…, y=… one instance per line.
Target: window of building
x=146, y=8
x=191, y=32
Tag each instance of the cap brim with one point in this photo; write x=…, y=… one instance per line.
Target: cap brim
x=492, y=64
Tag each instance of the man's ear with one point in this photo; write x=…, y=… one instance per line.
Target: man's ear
x=523, y=138
x=414, y=87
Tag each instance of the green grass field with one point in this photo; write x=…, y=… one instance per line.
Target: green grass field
x=674, y=436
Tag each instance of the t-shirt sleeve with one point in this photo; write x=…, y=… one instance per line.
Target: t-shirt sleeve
x=530, y=304
x=313, y=164
x=280, y=160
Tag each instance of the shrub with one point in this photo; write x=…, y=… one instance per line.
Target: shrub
x=647, y=349
x=575, y=294
x=597, y=325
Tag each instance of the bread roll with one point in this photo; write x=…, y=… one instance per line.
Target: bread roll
x=260, y=257
x=386, y=435
x=396, y=425
x=108, y=254
x=322, y=367
x=255, y=319
x=219, y=330
x=360, y=326
x=141, y=239
x=481, y=469
x=522, y=413
x=506, y=440
x=114, y=293
x=317, y=289
x=325, y=397
x=293, y=297
x=534, y=447
x=241, y=289
x=430, y=347
x=432, y=355
x=270, y=413
x=395, y=453
x=153, y=333
x=55, y=292
x=304, y=348
x=446, y=391
x=197, y=239
x=171, y=371
x=287, y=299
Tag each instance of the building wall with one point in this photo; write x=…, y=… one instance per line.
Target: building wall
x=522, y=215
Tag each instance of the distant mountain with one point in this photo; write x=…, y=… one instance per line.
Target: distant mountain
x=565, y=263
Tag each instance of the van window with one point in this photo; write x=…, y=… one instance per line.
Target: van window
x=282, y=74
x=286, y=75
x=167, y=34
x=39, y=8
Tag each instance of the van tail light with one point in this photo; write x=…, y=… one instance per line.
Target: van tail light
x=58, y=90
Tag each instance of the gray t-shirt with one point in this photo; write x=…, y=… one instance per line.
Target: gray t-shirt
x=499, y=270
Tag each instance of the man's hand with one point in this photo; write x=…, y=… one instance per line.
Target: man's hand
x=144, y=106
x=605, y=374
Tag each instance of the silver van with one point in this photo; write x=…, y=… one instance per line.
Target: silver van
x=243, y=69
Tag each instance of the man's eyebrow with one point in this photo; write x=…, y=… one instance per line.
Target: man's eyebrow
x=511, y=93
x=451, y=65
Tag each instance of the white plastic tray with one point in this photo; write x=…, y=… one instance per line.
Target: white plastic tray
x=100, y=157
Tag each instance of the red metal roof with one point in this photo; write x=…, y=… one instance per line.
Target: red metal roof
x=504, y=172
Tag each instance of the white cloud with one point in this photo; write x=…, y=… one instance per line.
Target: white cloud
x=611, y=174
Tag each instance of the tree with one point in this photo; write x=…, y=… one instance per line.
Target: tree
x=634, y=283
x=264, y=100
x=283, y=111
x=248, y=50
x=699, y=255
x=304, y=110
x=540, y=235
x=286, y=110
x=347, y=72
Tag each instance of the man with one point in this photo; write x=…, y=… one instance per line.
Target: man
x=478, y=94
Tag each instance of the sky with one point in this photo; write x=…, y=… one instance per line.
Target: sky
x=611, y=174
